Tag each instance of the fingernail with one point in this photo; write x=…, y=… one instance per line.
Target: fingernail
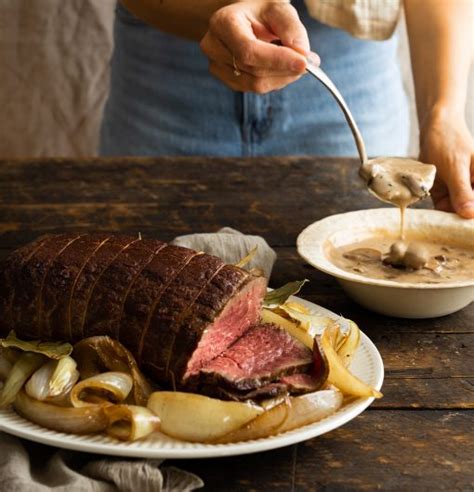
x=314, y=59
x=298, y=65
x=300, y=45
x=467, y=210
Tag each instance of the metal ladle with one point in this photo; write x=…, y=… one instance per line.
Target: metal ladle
x=319, y=74
x=416, y=178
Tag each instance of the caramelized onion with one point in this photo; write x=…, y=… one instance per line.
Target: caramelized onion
x=53, y=380
x=292, y=327
x=5, y=366
x=98, y=354
x=11, y=354
x=267, y=424
x=198, y=418
x=293, y=413
x=130, y=422
x=349, y=345
x=23, y=368
x=339, y=375
x=83, y=420
x=107, y=387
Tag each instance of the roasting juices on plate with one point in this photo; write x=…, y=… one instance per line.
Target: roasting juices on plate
x=128, y=336
x=414, y=259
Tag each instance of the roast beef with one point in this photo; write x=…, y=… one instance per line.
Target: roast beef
x=294, y=384
x=92, y=269
x=175, y=309
x=11, y=267
x=104, y=310
x=146, y=292
x=225, y=321
x=191, y=321
x=301, y=383
x=29, y=283
x=175, y=302
x=263, y=354
x=59, y=283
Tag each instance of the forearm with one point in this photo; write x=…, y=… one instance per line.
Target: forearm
x=441, y=45
x=185, y=18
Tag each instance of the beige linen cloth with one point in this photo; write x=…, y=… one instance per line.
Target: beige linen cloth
x=364, y=19
x=30, y=467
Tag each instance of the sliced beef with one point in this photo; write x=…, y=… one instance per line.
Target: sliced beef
x=146, y=292
x=175, y=301
x=10, y=266
x=262, y=355
x=30, y=283
x=223, y=311
x=59, y=283
x=88, y=278
x=105, y=306
x=301, y=383
x=270, y=390
x=295, y=384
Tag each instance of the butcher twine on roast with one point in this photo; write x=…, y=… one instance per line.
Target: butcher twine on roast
x=190, y=320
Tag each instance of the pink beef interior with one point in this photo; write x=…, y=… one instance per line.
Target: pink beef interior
x=242, y=311
x=301, y=383
x=262, y=354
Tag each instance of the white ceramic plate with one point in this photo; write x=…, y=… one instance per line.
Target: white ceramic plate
x=367, y=365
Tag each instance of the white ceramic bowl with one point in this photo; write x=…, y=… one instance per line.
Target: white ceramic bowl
x=400, y=299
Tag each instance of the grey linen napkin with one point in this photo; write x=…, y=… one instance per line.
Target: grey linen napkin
x=232, y=246
x=30, y=467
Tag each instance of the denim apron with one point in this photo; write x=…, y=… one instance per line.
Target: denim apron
x=163, y=101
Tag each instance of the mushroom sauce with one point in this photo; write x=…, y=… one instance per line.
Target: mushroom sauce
x=398, y=181
x=418, y=261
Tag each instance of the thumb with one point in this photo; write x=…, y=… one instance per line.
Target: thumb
x=461, y=192
x=283, y=20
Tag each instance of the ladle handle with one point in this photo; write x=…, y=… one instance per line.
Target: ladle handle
x=329, y=84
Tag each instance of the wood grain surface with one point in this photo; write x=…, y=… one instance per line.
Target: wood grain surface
x=418, y=437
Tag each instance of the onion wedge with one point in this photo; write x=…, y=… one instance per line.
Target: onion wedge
x=339, y=375
x=23, y=368
x=293, y=328
x=267, y=424
x=83, y=420
x=108, y=387
x=5, y=365
x=197, y=418
x=130, y=422
x=293, y=413
x=95, y=355
x=349, y=345
x=313, y=324
x=11, y=354
x=53, y=380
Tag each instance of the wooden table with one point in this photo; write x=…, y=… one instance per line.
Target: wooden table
x=418, y=437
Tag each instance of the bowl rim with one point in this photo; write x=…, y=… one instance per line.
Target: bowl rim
x=320, y=261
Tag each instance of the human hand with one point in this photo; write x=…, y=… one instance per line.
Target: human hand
x=240, y=38
x=446, y=142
